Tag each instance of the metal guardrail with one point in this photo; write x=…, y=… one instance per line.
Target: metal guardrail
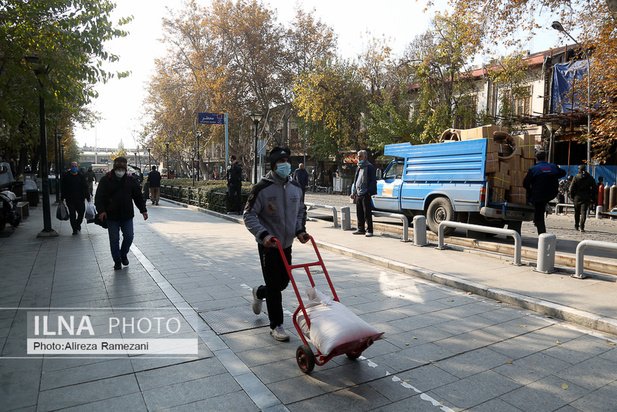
x=334, y=213
x=580, y=254
x=396, y=215
x=486, y=229
x=563, y=205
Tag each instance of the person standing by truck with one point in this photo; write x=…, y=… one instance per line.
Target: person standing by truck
x=542, y=184
x=583, y=193
x=364, y=186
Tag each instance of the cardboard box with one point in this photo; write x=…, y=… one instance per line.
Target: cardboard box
x=492, y=166
x=483, y=132
x=527, y=146
x=517, y=195
x=499, y=180
x=499, y=194
x=526, y=164
x=503, y=167
x=516, y=177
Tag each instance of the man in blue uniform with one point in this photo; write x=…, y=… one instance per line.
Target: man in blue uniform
x=542, y=183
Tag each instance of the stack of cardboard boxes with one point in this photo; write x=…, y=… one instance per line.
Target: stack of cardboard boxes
x=508, y=159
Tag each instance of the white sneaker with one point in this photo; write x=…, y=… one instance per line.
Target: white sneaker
x=279, y=334
x=257, y=303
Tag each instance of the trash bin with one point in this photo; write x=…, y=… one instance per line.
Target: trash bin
x=33, y=197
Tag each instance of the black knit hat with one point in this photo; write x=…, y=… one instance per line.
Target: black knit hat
x=277, y=154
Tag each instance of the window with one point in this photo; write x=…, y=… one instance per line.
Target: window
x=467, y=112
x=395, y=171
x=519, y=102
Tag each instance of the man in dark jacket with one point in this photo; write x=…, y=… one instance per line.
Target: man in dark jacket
x=74, y=191
x=90, y=178
x=542, y=183
x=364, y=186
x=275, y=210
x=234, y=183
x=114, y=202
x=582, y=192
x=301, y=176
x=154, y=185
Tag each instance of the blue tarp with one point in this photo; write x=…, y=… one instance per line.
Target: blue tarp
x=609, y=173
x=564, y=76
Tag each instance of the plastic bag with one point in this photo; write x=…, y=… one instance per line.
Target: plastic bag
x=90, y=212
x=62, y=212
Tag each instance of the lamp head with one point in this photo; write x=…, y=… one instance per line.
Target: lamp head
x=256, y=118
x=557, y=26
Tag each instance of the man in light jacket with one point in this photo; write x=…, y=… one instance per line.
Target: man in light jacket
x=275, y=210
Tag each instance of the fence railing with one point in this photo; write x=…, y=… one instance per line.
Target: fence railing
x=580, y=254
x=478, y=228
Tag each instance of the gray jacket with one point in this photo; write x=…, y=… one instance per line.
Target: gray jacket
x=275, y=208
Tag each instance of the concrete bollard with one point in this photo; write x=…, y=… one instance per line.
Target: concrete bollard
x=345, y=218
x=419, y=231
x=599, y=212
x=546, y=253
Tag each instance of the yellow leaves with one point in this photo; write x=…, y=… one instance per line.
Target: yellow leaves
x=564, y=386
x=610, y=342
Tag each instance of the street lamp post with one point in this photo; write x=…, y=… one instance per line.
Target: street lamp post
x=256, y=118
x=47, y=231
x=149, y=162
x=198, y=156
x=167, y=158
x=557, y=26
x=57, y=137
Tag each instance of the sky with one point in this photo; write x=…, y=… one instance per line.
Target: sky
x=120, y=101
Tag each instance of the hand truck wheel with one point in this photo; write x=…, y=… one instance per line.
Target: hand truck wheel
x=305, y=358
x=353, y=355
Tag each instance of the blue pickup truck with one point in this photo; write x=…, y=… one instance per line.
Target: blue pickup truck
x=445, y=182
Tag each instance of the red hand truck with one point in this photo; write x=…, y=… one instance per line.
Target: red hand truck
x=304, y=354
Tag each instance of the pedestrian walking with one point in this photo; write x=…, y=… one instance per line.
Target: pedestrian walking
x=90, y=178
x=154, y=185
x=275, y=210
x=74, y=191
x=302, y=177
x=583, y=193
x=564, y=189
x=115, y=195
x=234, y=183
x=542, y=184
x=364, y=186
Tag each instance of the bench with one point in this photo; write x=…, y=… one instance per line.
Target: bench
x=22, y=209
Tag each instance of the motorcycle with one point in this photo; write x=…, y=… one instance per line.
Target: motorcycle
x=8, y=210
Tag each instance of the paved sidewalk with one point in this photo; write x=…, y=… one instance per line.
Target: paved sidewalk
x=444, y=349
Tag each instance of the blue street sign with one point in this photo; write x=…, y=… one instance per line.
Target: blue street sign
x=211, y=118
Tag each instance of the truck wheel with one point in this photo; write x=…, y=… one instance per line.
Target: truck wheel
x=440, y=210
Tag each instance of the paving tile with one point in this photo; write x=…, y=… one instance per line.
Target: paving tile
x=475, y=389
x=473, y=362
x=531, y=368
x=591, y=374
x=190, y=391
x=235, y=401
x=85, y=373
x=177, y=373
x=77, y=395
x=357, y=398
x=133, y=402
x=546, y=394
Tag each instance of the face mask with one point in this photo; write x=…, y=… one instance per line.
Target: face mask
x=74, y=169
x=283, y=169
x=120, y=173
x=360, y=162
